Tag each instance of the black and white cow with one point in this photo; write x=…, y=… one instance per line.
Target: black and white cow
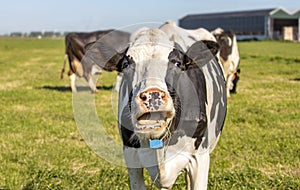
x=77, y=43
x=229, y=55
x=172, y=105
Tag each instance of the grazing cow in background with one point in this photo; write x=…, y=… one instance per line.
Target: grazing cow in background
x=76, y=46
x=229, y=55
x=172, y=105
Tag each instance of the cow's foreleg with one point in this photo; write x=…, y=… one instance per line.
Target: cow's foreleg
x=198, y=171
x=136, y=177
x=72, y=80
x=92, y=85
x=64, y=66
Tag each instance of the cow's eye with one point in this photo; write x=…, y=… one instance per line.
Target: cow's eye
x=125, y=65
x=177, y=64
x=126, y=62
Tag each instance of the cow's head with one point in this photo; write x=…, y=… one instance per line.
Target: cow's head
x=229, y=53
x=145, y=105
x=151, y=65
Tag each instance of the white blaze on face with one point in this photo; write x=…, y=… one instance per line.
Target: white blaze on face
x=150, y=50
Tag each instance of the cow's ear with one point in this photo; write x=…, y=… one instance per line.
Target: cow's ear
x=201, y=52
x=214, y=47
x=103, y=55
x=88, y=46
x=119, y=61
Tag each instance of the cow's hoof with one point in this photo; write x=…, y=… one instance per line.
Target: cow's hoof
x=94, y=91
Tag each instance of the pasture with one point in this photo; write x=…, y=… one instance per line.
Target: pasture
x=41, y=146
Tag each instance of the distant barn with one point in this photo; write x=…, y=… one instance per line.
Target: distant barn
x=255, y=24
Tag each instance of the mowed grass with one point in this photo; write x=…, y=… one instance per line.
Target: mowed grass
x=42, y=148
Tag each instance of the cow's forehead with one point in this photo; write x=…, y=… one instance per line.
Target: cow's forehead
x=148, y=44
x=150, y=50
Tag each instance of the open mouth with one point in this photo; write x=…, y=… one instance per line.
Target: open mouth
x=151, y=117
x=153, y=122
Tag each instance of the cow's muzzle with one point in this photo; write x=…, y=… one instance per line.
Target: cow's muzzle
x=155, y=111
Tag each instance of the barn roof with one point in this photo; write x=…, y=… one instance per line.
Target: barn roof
x=273, y=12
x=297, y=13
x=284, y=14
x=228, y=14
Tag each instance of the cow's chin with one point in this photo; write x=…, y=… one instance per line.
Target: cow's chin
x=153, y=125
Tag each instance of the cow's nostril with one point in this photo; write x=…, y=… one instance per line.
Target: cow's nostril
x=143, y=96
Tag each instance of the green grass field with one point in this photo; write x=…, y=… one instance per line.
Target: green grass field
x=41, y=146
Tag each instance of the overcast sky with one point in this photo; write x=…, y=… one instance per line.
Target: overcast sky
x=89, y=15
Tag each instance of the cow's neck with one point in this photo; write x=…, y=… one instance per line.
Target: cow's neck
x=171, y=160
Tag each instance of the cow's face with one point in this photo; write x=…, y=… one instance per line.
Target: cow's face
x=151, y=73
x=229, y=53
x=144, y=95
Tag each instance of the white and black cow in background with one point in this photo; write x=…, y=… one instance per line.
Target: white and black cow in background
x=77, y=43
x=229, y=55
x=172, y=104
